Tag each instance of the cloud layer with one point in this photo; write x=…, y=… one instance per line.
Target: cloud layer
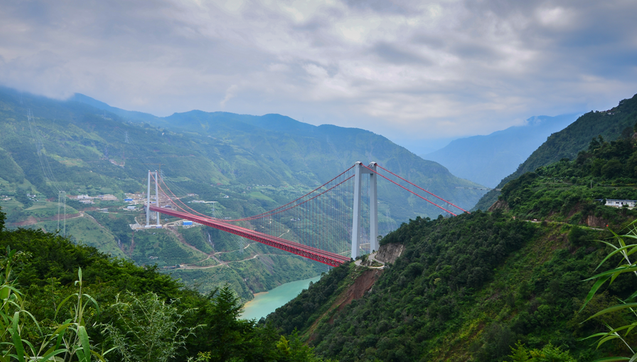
x=405, y=69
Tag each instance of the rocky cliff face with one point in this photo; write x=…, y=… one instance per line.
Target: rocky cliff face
x=499, y=205
x=596, y=222
x=388, y=253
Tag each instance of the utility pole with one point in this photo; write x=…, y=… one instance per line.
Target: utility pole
x=62, y=201
x=59, y=204
x=64, y=198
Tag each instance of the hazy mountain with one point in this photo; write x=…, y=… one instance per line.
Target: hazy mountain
x=488, y=159
x=130, y=115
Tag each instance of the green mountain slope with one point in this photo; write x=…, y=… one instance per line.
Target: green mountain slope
x=247, y=164
x=283, y=150
x=469, y=288
x=311, y=154
x=609, y=124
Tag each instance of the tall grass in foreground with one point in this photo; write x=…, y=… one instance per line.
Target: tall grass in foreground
x=22, y=338
x=146, y=328
x=625, y=246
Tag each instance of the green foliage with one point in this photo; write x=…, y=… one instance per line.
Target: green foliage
x=223, y=333
x=24, y=199
x=66, y=341
x=624, y=249
x=548, y=353
x=466, y=288
x=578, y=236
x=224, y=337
x=146, y=328
x=294, y=350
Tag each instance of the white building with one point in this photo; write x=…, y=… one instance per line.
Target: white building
x=620, y=203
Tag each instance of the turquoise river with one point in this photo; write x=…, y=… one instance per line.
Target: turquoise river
x=267, y=302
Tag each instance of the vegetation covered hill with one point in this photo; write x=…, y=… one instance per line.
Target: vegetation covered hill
x=246, y=164
x=611, y=124
x=472, y=287
x=488, y=159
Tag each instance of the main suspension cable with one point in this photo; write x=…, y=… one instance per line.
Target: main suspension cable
x=408, y=190
x=430, y=193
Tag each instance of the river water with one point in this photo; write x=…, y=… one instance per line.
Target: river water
x=267, y=302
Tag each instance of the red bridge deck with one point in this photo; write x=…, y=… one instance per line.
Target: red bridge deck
x=305, y=251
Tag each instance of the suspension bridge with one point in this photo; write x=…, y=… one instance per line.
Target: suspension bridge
x=327, y=224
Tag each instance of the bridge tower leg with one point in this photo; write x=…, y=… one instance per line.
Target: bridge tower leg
x=148, y=202
x=157, y=196
x=373, y=207
x=148, y=192
x=356, y=220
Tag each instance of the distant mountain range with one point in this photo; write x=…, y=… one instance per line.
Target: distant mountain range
x=488, y=159
x=282, y=149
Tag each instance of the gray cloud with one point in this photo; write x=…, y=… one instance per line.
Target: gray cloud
x=393, y=54
x=383, y=6
x=406, y=69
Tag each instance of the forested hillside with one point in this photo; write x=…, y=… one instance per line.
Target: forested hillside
x=472, y=287
x=611, y=124
x=118, y=310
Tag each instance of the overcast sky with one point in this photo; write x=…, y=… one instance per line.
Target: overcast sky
x=409, y=70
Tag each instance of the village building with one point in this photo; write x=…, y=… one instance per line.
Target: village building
x=620, y=203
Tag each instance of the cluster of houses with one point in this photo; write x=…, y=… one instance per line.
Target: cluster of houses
x=86, y=199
